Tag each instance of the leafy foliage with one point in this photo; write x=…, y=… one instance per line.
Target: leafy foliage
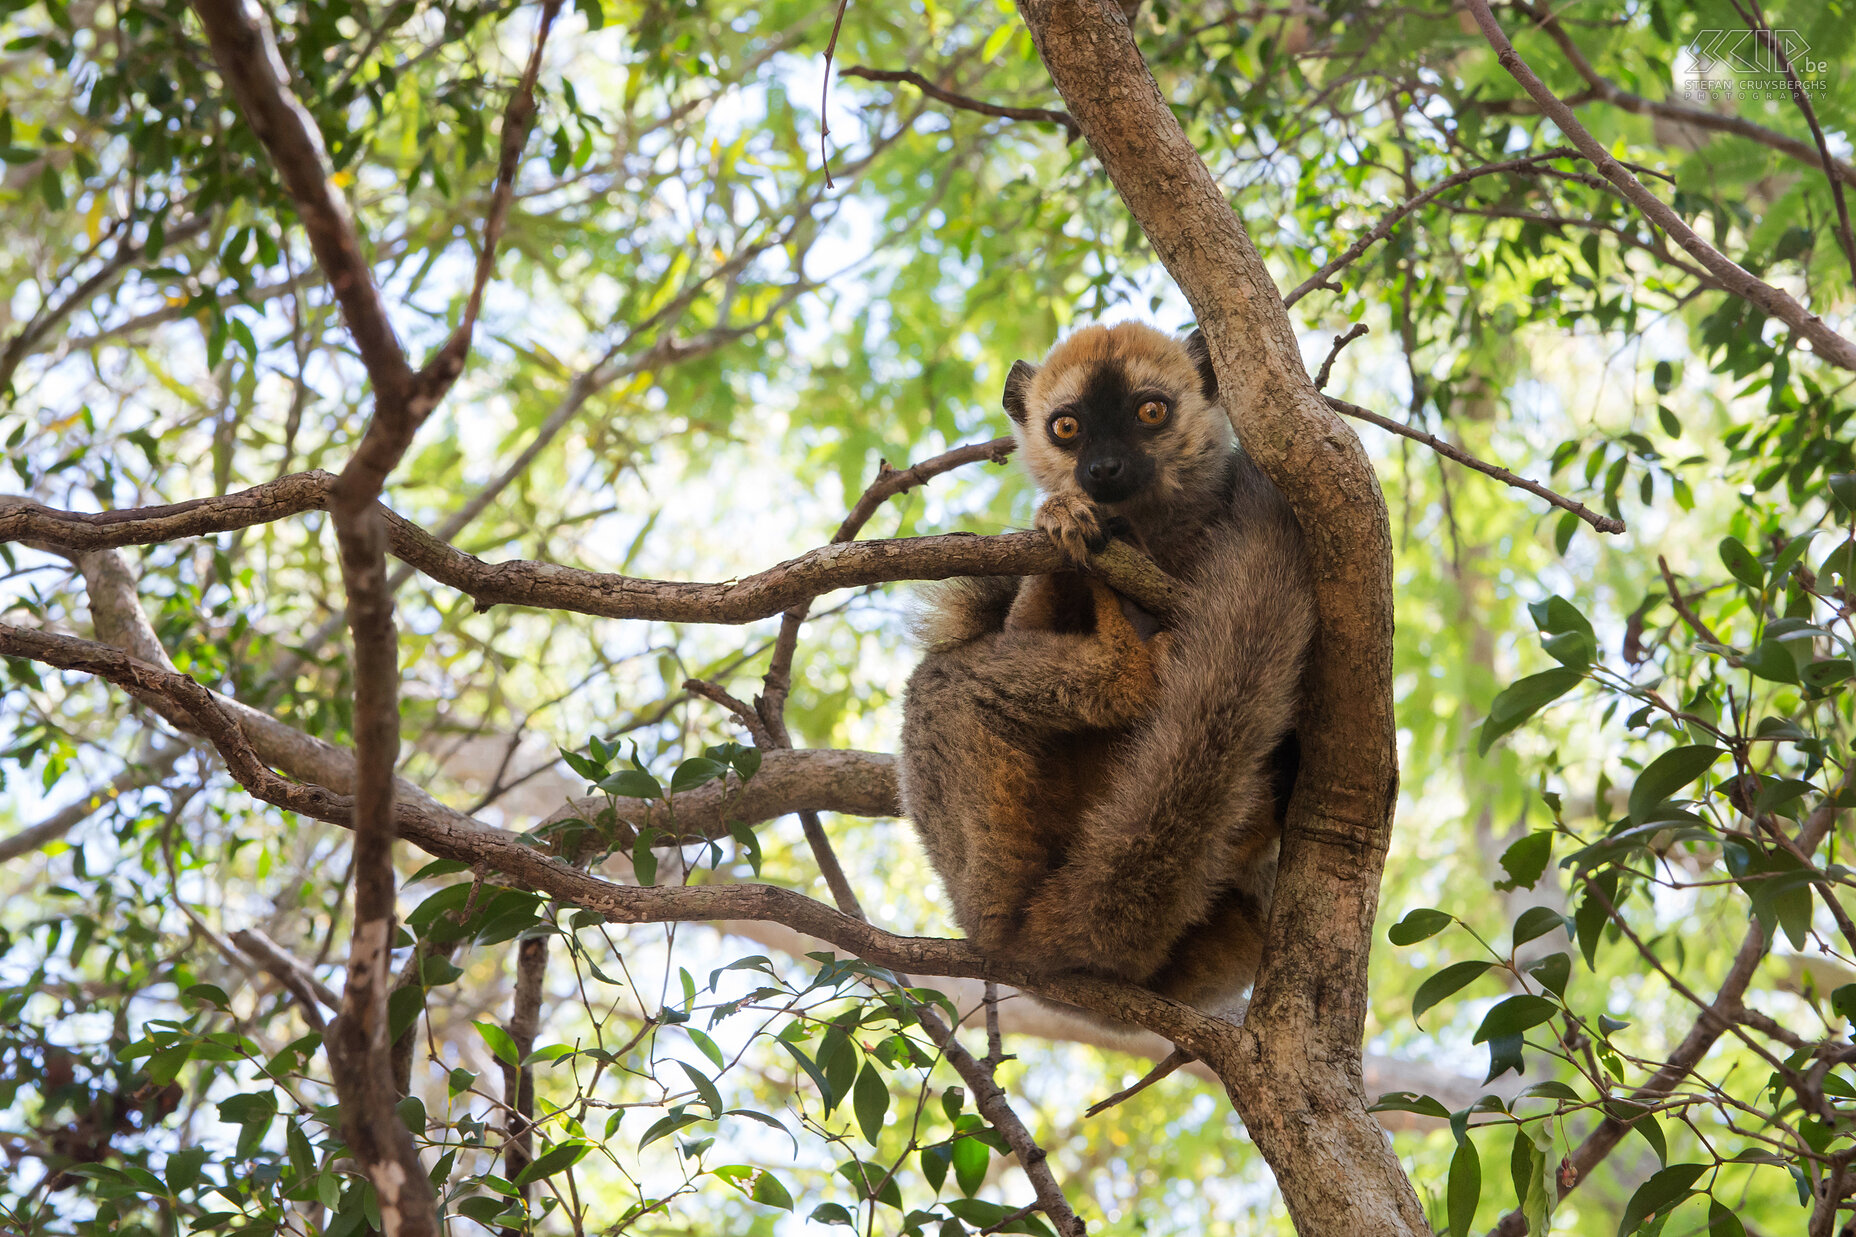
x=698, y=347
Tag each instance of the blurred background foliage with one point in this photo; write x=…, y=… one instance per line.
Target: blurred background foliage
x=708, y=326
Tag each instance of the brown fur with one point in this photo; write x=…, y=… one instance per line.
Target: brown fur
x=1093, y=802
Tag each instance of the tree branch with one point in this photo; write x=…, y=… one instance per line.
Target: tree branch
x=548, y=586
x=1829, y=345
x=21, y=345
x=254, y=72
x=964, y=102
x=1603, y=523
x=156, y=765
x=1384, y=227
x=445, y=834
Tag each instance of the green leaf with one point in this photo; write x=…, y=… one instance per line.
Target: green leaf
x=1663, y=1190
x=669, y=1124
x=870, y=1101
x=1553, y=971
x=1526, y=860
x=404, y=1005
x=705, y=1090
x=1664, y=377
x=632, y=784
x=1668, y=773
x=1820, y=675
x=1740, y=562
x=1419, y=924
x=1514, y=1016
x=552, y=1161
x=1407, y=1101
x=707, y=1045
x=1464, y=1189
x=745, y=837
x=501, y=1046
x=761, y=1186
x=644, y=859
x=1722, y=1222
x=1565, y=633
x=1521, y=700
x=695, y=772
x=1537, y=921
x=832, y=1213
x=971, y=1157
x=935, y=1161
x=1444, y=983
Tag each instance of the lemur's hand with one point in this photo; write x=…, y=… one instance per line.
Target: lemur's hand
x=1074, y=524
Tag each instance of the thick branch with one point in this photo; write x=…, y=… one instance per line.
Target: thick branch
x=548, y=586
x=964, y=102
x=1829, y=345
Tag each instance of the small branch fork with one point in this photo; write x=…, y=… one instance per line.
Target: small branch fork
x=1829, y=345
x=966, y=103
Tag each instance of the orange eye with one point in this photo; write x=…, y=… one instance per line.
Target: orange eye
x=1153, y=412
x=1064, y=428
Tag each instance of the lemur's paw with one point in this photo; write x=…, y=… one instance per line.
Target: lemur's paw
x=1074, y=524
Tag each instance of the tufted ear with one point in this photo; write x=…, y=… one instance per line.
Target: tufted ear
x=1201, y=355
x=1017, y=387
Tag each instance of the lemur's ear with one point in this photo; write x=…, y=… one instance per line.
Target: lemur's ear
x=1201, y=354
x=1017, y=387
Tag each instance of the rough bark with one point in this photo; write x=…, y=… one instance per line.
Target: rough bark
x=1294, y=1069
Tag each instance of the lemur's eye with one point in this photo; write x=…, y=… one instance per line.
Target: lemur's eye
x=1153, y=412
x=1064, y=428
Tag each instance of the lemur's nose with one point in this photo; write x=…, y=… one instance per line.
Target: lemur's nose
x=1104, y=470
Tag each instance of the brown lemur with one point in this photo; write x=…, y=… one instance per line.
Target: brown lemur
x=1097, y=798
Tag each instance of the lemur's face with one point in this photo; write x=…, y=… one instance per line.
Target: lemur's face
x=1124, y=415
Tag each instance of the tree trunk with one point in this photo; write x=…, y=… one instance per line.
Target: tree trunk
x=1294, y=1072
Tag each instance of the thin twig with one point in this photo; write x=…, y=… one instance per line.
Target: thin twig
x=1340, y=341
x=1383, y=229
x=1680, y=602
x=1166, y=1065
x=444, y=366
x=824, y=95
x=310, y=993
x=966, y=103
x=1603, y=523
x=1777, y=303
x=743, y=711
